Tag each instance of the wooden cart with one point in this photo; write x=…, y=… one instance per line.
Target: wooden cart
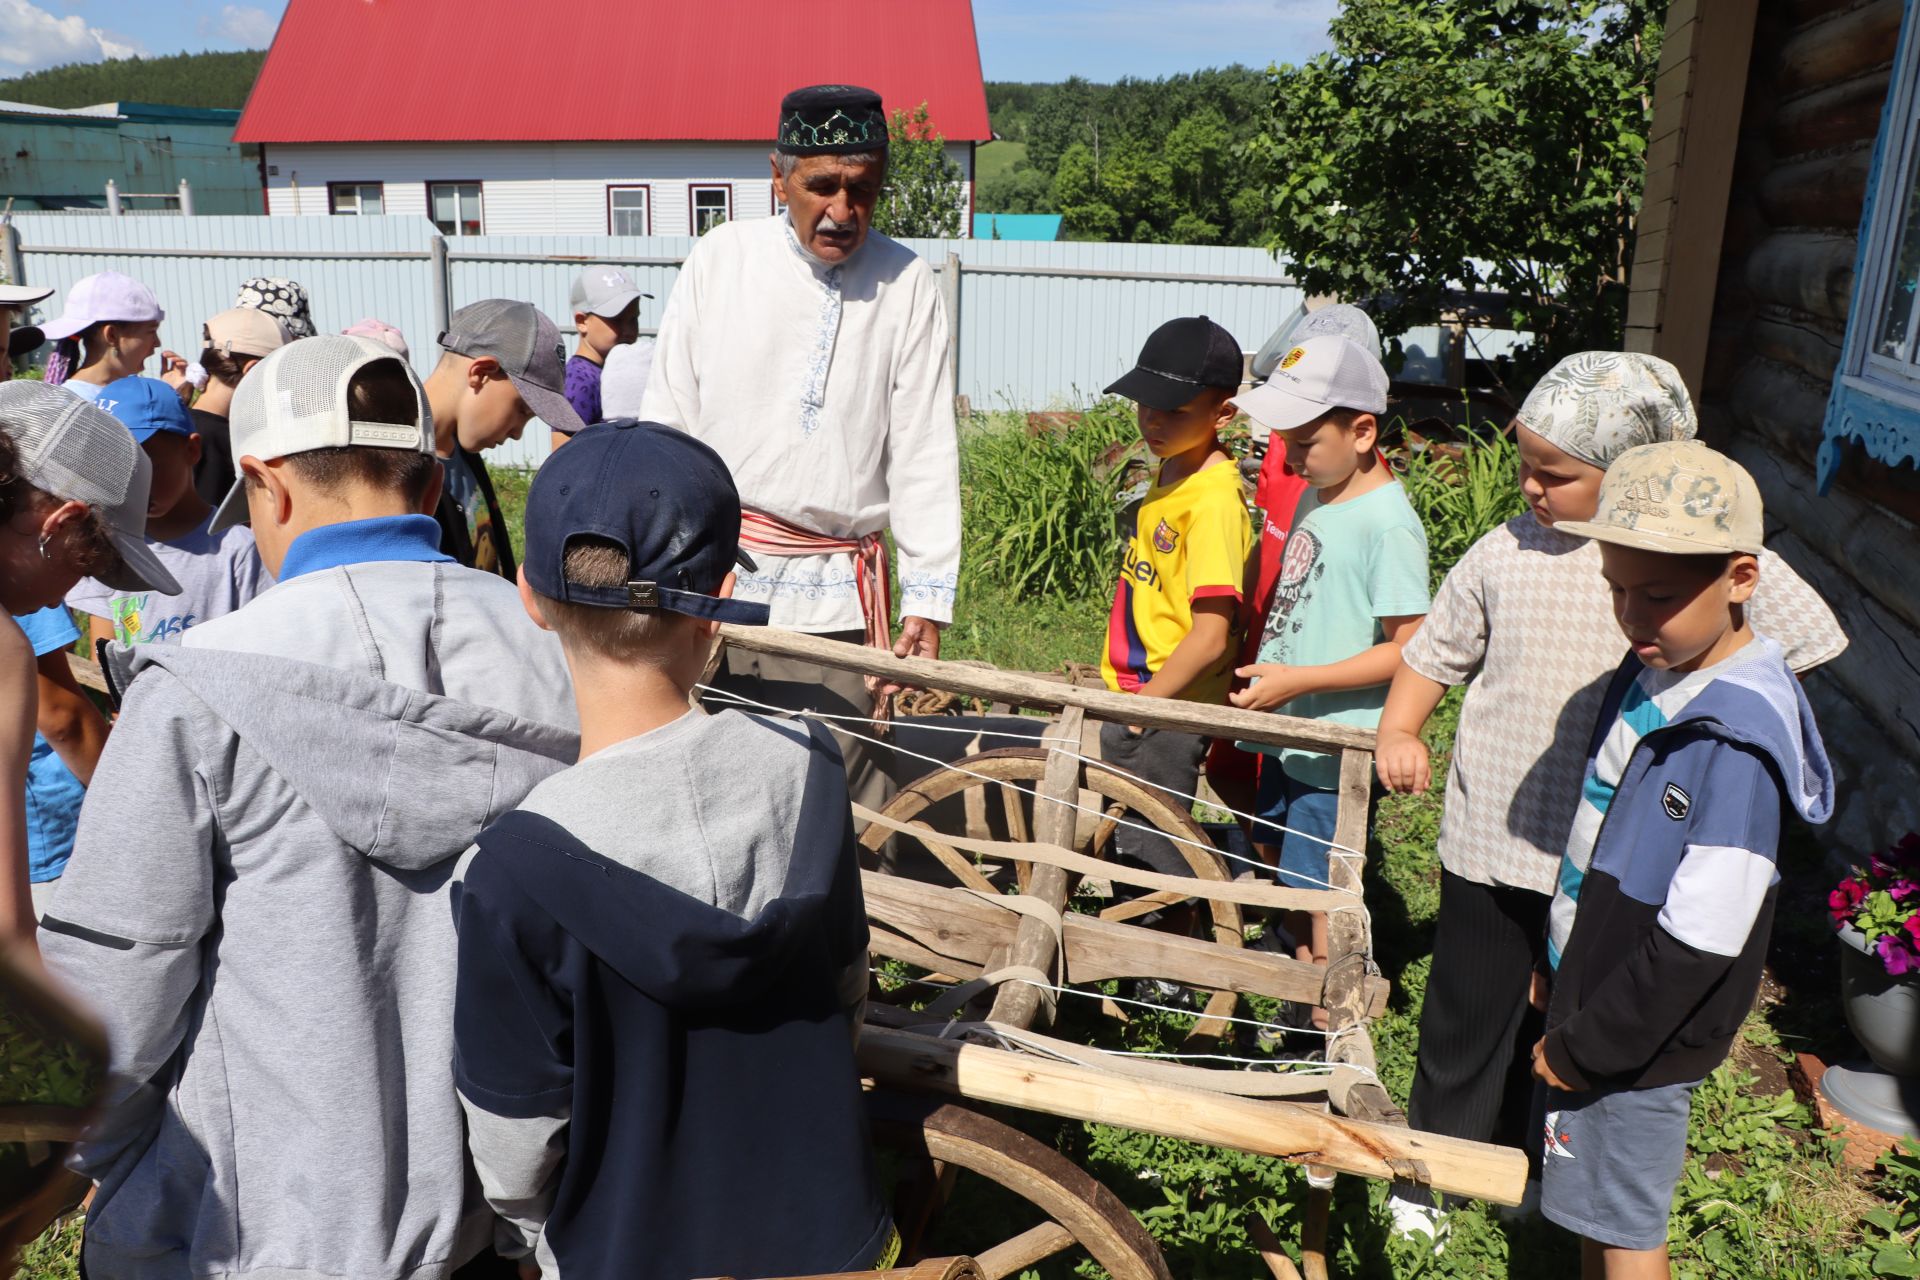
x=1019, y=853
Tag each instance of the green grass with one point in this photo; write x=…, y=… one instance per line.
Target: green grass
x=994, y=159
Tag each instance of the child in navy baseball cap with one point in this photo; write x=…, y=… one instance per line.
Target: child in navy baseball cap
x=696, y=874
x=216, y=572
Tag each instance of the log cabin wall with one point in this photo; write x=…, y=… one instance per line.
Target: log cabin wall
x=1816, y=83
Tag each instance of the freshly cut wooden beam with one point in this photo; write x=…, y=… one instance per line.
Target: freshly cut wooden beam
x=1032, y=691
x=957, y=932
x=1288, y=1131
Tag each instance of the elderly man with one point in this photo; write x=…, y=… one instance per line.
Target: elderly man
x=811, y=353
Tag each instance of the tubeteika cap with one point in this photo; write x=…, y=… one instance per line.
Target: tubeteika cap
x=104, y=296
x=25, y=338
x=147, y=406
x=604, y=292
x=74, y=450
x=244, y=331
x=1179, y=359
x=295, y=401
x=281, y=298
x=831, y=119
x=527, y=345
x=1326, y=372
x=1678, y=497
x=665, y=497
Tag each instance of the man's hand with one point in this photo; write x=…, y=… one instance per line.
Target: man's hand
x=1543, y=1071
x=1274, y=685
x=1401, y=760
x=173, y=372
x=919, y=638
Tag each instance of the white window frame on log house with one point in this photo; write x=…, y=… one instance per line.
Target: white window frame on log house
x=1875, y=405
x=1897, y=204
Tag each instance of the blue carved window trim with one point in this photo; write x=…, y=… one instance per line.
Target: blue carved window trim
x=1875, y=405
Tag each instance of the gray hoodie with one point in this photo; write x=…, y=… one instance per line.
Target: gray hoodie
x=257, y=907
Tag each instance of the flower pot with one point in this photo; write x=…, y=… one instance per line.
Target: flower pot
x=1883, y=1010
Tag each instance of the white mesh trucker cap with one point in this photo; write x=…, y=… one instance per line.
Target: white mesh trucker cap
x=76, y=451
x=295, y=401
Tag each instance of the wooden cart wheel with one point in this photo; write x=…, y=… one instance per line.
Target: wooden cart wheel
x=1118, y=796
x=1078, y=1210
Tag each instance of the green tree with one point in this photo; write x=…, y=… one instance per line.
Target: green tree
x=1491, y=144
x=925, y=192
x=1024, y=190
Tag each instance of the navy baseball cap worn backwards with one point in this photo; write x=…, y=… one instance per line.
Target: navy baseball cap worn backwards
x=664, y=496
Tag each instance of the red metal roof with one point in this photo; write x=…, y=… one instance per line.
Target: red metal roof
x=653, y=70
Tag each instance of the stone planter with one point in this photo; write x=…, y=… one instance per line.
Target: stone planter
x=1883, y=1012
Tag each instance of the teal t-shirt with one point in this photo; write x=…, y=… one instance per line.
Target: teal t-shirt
x=1345, y=567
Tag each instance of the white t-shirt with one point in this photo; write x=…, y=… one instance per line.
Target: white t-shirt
x=217, y=573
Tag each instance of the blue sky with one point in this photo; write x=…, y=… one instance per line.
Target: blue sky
x=1019, y=39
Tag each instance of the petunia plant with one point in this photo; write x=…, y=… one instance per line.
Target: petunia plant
x=1882, y=901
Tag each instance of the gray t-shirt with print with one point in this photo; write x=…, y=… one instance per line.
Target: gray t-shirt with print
x=217, y=573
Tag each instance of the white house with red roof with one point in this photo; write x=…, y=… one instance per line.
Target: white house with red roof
x=645, y=117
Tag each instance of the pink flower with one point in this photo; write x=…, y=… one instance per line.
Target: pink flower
x=1848, y=895
x=1895, y=955
x=1901, y=889
x=1912, y=926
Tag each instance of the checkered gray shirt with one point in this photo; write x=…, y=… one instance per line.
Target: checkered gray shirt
x=1526, y=618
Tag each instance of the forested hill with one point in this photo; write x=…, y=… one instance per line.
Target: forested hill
x=1149, y=161
x=178, y=80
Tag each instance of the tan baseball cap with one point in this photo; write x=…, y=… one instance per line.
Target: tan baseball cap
x=244, y=331
x=1678, y=497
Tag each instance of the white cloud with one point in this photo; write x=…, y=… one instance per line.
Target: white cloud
x=35, y=39
x=246, y=26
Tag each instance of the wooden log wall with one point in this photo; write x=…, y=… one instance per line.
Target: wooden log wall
x=1817, y=81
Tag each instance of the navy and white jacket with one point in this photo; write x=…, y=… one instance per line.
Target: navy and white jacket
x=1671, y=932
x=696, y=1065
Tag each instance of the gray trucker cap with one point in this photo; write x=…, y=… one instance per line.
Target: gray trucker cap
x=528, y=347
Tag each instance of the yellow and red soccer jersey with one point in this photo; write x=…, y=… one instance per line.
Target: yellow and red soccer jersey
x=1190, y=541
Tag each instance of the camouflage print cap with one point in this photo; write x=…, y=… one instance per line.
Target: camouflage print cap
x=1678, y=497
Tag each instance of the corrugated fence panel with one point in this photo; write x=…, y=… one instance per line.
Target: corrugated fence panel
x=1041, y=323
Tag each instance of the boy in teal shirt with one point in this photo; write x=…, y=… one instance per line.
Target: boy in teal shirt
x=1352, y=590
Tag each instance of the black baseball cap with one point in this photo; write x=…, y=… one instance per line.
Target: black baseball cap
x=1179, y=358
x=664, y=496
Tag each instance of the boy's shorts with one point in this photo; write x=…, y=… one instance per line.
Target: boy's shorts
x=1161, y=758
x=1309, y=813
x=1610, y=1160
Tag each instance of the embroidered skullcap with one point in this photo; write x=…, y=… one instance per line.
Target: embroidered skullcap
x=1598, y=404
x=279, y=297
x=831, y=119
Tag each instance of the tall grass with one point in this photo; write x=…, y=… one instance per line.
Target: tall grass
x=1037, y=505
x=1461, y=498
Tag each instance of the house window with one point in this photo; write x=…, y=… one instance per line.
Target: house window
x=356, y=198
x=628, y=210
x=1876, y=405
x=711, y=207
x=454, y=207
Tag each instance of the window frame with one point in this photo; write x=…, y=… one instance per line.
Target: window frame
x=693, y=207
x=334, y=187
x=480, y=194
x=647, y=221
x=1898, y=159
x=1874, y=407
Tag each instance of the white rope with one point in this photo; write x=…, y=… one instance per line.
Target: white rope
x=741, y=700
x=1070, y=747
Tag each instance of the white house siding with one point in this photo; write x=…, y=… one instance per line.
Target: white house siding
x=538, y=188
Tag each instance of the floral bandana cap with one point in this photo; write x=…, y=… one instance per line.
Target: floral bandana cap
x=1597, y=405
x=282, y=298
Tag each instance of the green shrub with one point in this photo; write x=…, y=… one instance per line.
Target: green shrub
x=1460, y=499
x=1037, y=504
